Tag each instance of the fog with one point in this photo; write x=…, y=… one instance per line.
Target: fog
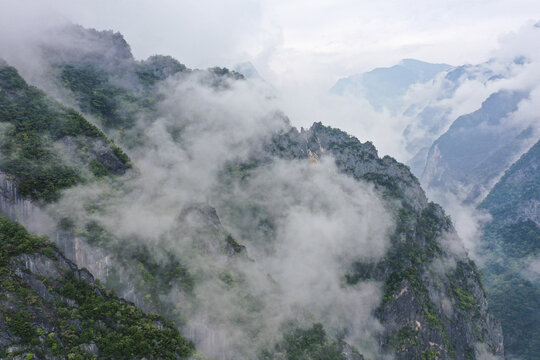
x=513, y=76
x=320, y=221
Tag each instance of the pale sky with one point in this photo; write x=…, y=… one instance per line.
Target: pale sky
x=294, y=42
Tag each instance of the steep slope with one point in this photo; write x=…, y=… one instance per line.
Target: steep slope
x=47, y=147
x=512, y=241
x=50, y=309
x=477, y=147
x=433, y=304
x=431, y=108
x=431, y=115
x=95, y=72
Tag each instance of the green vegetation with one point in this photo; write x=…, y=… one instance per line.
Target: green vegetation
x=233, y=245
x=431, y=354
x=388, y=184
x=15, y=240
x=306, y=344
x=464, y=300
x=514, y=297
x=415, y=245
x=157, y=68
x=135, y=334
x=97, y=168
x=519, y=185
x=77, y=315
x=158, y=278
x=511, y=241
x=154, y=278
x=404, y=339
x=408, y=260
x=114, y=106
x=33, y=126
x=517, y=240
x=19, y=324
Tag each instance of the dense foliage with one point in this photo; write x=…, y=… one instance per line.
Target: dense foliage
x=134, y=335
x=306, y=344
x=114, y=106
x=520, y=184
x=512, y=241
x=15, y=240
x=422, y=277
x=34, y=127
x=68, y=316
x=406, y=265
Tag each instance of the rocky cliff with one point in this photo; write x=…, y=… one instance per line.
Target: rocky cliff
x=51, y=309
x=433, y=304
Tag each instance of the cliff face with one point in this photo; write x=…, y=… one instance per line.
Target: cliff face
x=51, y=309
x=512, y=248
x=28, y=213
x=13, y=205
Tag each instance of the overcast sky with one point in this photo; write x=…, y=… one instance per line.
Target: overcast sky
x=300, y=41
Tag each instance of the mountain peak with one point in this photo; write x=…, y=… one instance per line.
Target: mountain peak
x=383, y=86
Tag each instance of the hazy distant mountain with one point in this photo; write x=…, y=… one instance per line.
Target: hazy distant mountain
x=383, y=87
x=478, y=147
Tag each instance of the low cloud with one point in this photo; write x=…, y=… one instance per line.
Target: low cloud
x=321, y=221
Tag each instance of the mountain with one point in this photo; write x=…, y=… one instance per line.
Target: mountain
x=414, y=307
x=474, y=153
x=383, y=87
x=50, y=309
x=478, y=147
x=512, y=247
x=37, y=135
x=431, y=112
x=256, y=239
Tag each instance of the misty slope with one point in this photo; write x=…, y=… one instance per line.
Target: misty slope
x=432, y=114
x=477, y=147
x=512, y=241
x=46, y=146
x=382, y=87
x=50, y=309
x=256, y=239
x=418, y=290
